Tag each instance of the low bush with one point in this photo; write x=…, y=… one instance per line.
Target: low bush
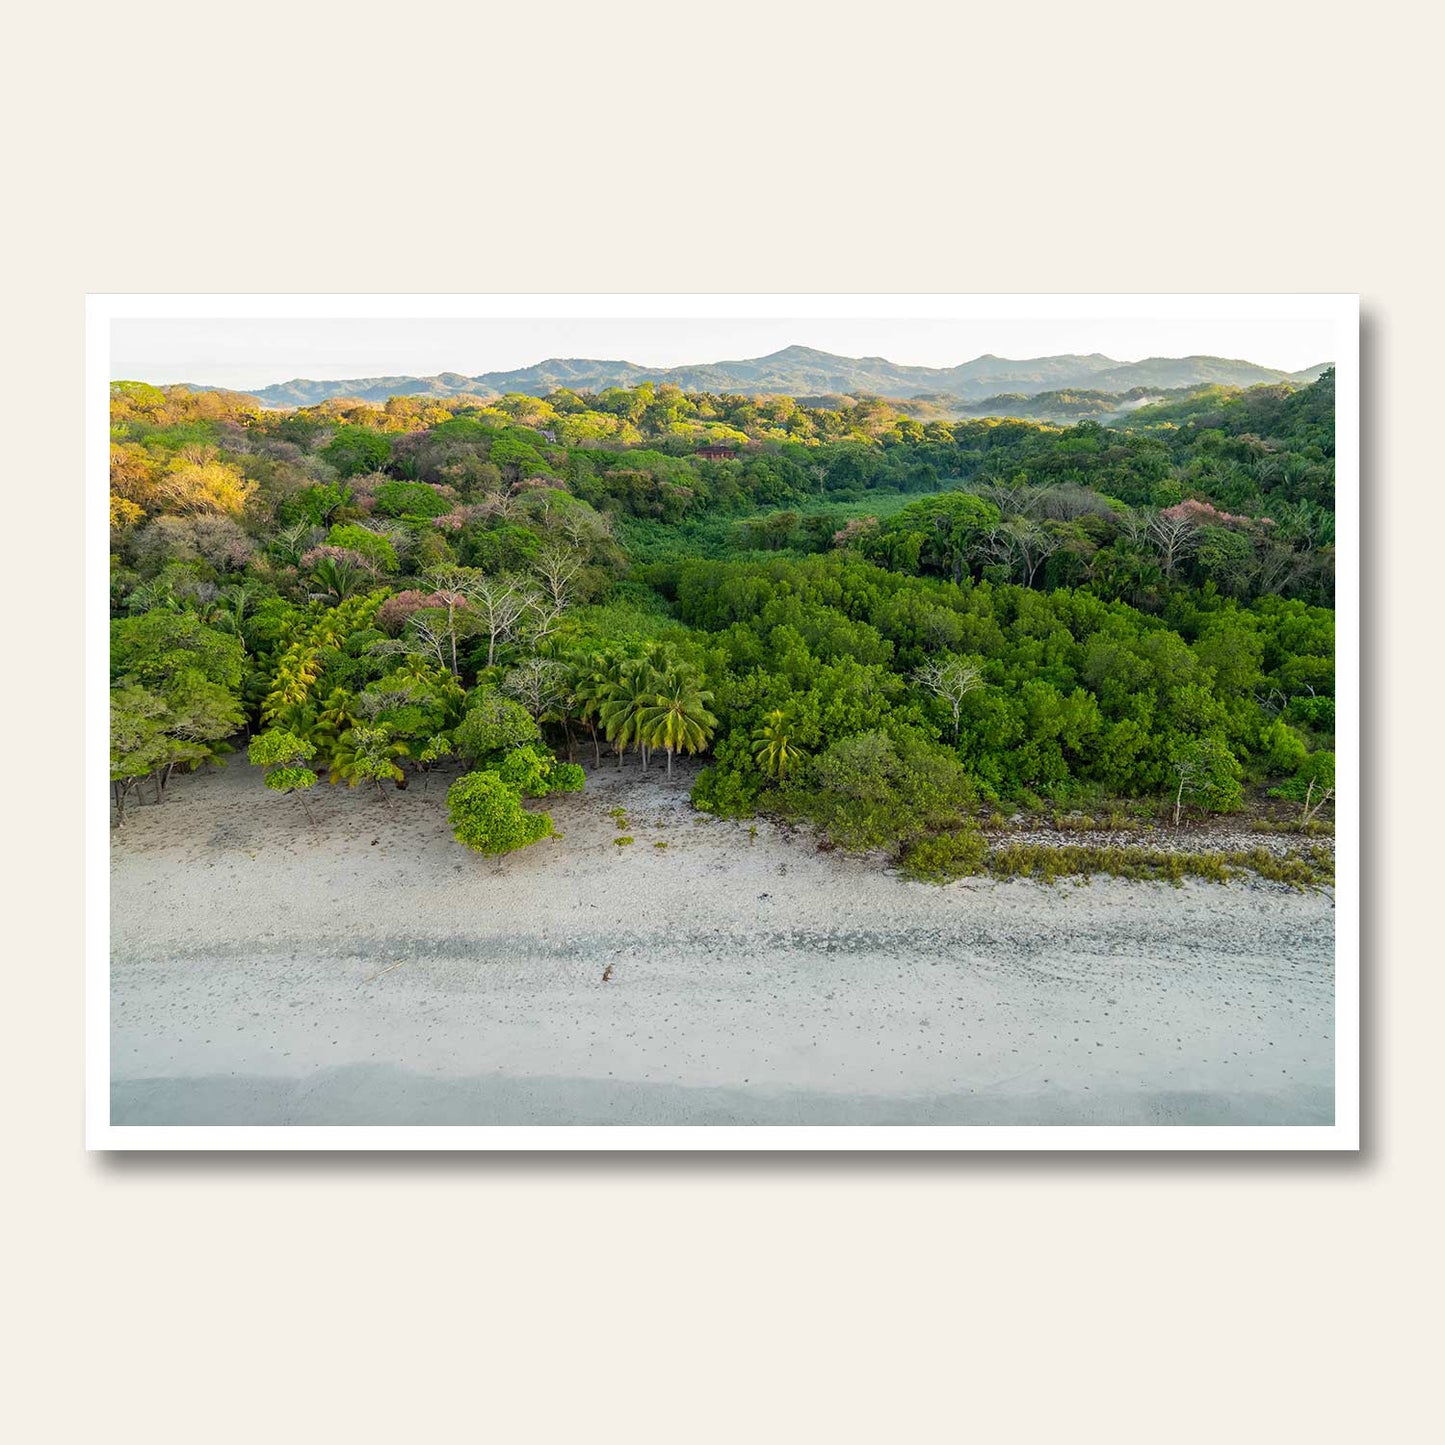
x=946, y=856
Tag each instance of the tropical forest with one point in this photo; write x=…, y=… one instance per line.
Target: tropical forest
x=924, y=637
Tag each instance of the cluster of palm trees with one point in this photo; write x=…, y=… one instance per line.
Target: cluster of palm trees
x=650, y=701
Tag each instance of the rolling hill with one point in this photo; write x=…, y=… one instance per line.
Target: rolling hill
x=803, y=371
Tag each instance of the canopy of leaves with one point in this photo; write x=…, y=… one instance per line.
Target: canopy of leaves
x=487, y=815
x=493, y=726
x=356, y=449
x=1131, y=596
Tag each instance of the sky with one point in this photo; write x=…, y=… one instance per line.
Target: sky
x=245, y=353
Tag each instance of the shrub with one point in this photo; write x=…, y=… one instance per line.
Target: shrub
x=535, y=772
x=1314, y=777
x=487, y=815
x=493, y=726
x=873, y=790
x=1313, y=712
x=725, y=794
x=946, y=856
x=1308, y=868
x=1283, y=749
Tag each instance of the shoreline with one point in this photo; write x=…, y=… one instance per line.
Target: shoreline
x=368, y=969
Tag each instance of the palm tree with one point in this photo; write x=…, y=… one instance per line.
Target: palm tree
x=152, y=595
x=232, y=604
x=335, y=717
x=587, y=692
x=338, y=578
x=775, y=753
x=676, y=719
x=368, y=754
x=630, y=685
x=291, y=543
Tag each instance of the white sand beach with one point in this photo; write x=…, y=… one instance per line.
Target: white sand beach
x=365, y=969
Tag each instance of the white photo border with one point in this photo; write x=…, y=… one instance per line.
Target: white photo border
x=1340, y=310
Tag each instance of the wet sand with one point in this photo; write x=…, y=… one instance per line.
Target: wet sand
x=365, y=969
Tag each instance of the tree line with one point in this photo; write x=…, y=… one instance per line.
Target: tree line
x=931, y=619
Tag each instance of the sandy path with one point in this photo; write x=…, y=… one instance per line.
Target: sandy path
x=368, y=970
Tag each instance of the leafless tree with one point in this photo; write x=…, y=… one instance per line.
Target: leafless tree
x=952, y=679
x=1276, y=565
x=585, y=528
x=557, y=565
x=1309, y=812
x=401, y=537
x=1023, y=546
x=449, y=586
x=496, y=504
x=1186, y=768
x=1011, y=501
x=377, y=700
x=537, y=684
x=1133, y=525
x=437, y=642
x=1067, y=503
x=421, y=639
x=501, y=603
x=541, y=618
x=1173, y=538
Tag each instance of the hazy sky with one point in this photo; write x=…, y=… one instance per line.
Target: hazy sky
x=254, y=353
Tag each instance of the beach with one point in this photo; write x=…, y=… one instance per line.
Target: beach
x=363, y=968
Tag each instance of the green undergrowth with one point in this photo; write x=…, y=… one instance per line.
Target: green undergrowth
x=1114, y=822
x=1315, y=828
x=950, y=856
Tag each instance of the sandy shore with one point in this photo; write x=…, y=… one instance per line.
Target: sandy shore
x=365, y=969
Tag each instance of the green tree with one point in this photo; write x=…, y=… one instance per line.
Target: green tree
x=775, y=753
x=493, y=726
x=285, y=756
x=587, y=691
x=674, y=716
x=1208, y=774
x=338, y=579
x=138, y=742
x=436, y=749
x=374, y=547
x=629, y=686
x=936, y=535
x=354, y=450
x=487, y=815
x=154, y=730
x=152, y=648
x=200, y=716
x=307, y=508
x=873, y=790
x=369, y=754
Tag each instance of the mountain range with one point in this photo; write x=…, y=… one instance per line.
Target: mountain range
x=802, y=371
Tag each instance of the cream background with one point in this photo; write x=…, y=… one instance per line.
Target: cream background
x=753, y=147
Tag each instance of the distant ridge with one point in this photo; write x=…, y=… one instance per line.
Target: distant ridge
x=802, y=371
